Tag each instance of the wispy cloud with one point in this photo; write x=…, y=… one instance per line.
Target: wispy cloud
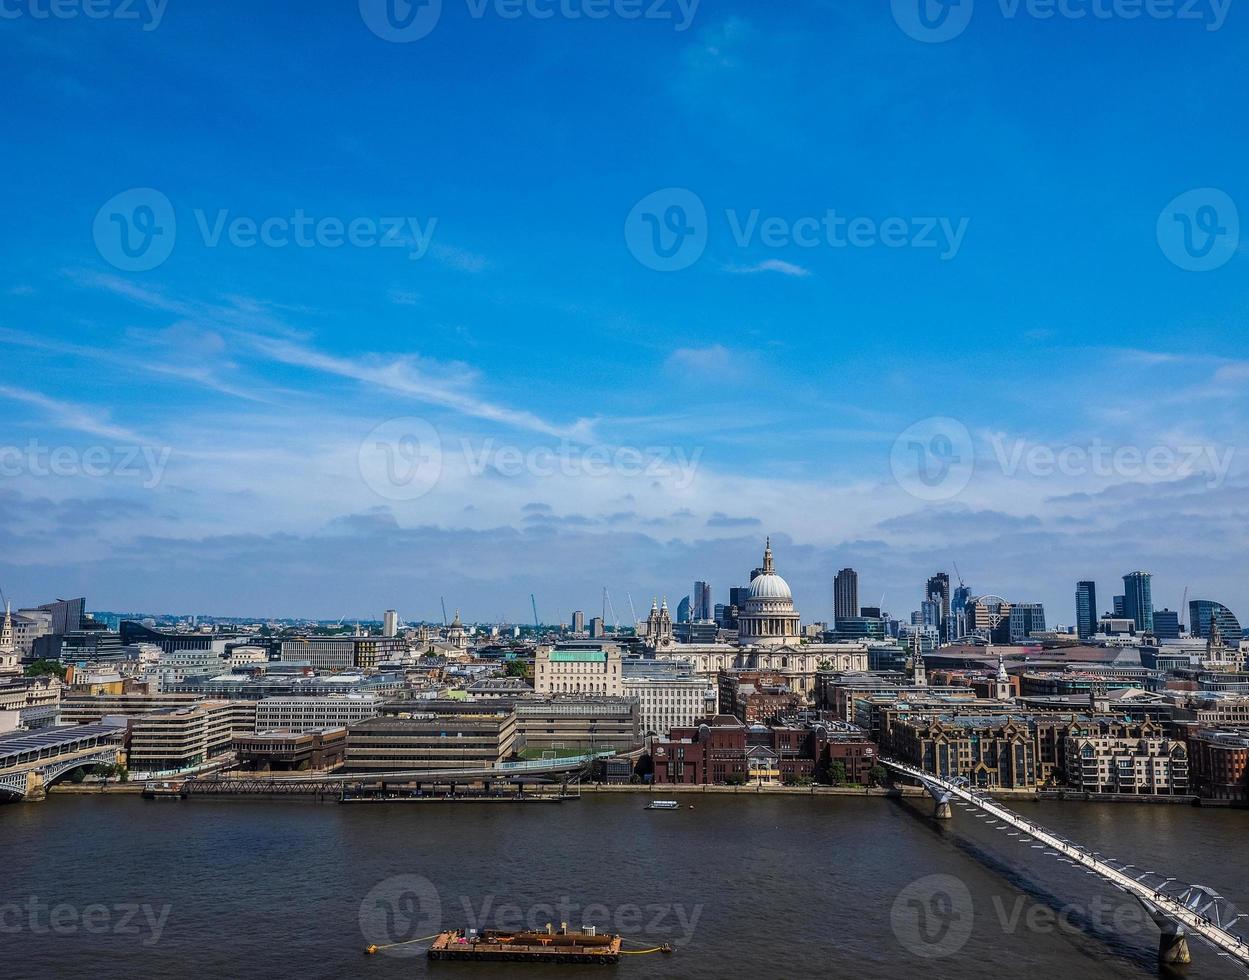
x=67, y=415
x=459, y=258
x=770, y=265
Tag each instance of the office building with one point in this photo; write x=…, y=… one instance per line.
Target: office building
x=1138, y=601
x=175, y=739
x=1086, y=609
x=1166, y=624
x=701, y=607
x=1117, y=605
x=390, y=623
x=580, y=724
x=1026, y=618
x=357, y=652
x=1204, y=613
x=578, y=621
x=845, y=595
x=427, y=735
x=296, y=714
x=586, y=670
x=683, y=610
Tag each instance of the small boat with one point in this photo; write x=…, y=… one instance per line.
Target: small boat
x=663, y=805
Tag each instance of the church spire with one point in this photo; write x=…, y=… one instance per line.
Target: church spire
x=768, y=567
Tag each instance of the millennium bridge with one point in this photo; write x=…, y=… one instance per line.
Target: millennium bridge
x=1177, y=909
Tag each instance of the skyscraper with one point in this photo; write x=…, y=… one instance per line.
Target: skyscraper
x=958, y=611
x=1117, y=605
x=1138, y=600
x=1086, y=609
x=845, y=595
x=683, y=610
x=1026, y=618
x=390, y=623
x=578, y=621
x=937, y=590
x=1203, y=612
x=1166, y=624
x=701, y=605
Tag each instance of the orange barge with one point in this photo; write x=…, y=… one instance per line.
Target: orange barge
x=491, y=945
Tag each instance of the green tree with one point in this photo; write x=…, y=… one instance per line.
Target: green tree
x=46, y=668
x=837, y=773
x=877, y=775
x=823, y=767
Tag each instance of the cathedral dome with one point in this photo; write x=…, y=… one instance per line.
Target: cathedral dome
x=769, y=586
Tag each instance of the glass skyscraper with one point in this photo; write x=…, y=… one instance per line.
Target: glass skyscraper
x=1086, y=609
x=1138, y=600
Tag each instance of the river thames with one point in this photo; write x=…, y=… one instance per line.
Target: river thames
x=107, y=887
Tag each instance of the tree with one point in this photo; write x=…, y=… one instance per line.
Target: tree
x=825, y=664
x=837, y=773
x=46, y=668
x=877, y=775
x=823, y=767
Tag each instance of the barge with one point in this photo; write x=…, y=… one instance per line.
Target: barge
x=492, y=945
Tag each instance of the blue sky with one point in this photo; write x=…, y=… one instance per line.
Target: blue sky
x=218, y=413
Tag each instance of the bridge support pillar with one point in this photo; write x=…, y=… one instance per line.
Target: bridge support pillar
x=943, y=810
x=1173, y=947
x=36, y=791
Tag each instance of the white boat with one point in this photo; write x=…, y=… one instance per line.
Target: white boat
x=663, y=805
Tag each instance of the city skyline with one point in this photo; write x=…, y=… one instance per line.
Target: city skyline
x=219, y=415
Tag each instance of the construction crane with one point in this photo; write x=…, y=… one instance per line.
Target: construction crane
x=959, y=574
x=606, y=606
x=1183, y=605
x=632, y=612
x=534, y=602
x=444, y=609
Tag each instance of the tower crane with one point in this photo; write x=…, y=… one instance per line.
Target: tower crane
x=444, y=610
x=632, y=612
x=534, y=602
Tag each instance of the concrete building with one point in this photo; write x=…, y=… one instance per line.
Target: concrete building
x=582, y=670
x=993, y=751
x=669, y=694
x=433, y=735
x=180, y=738
x=583, y=724
x=277, y=751
x=357, y=652
x=295, y=714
